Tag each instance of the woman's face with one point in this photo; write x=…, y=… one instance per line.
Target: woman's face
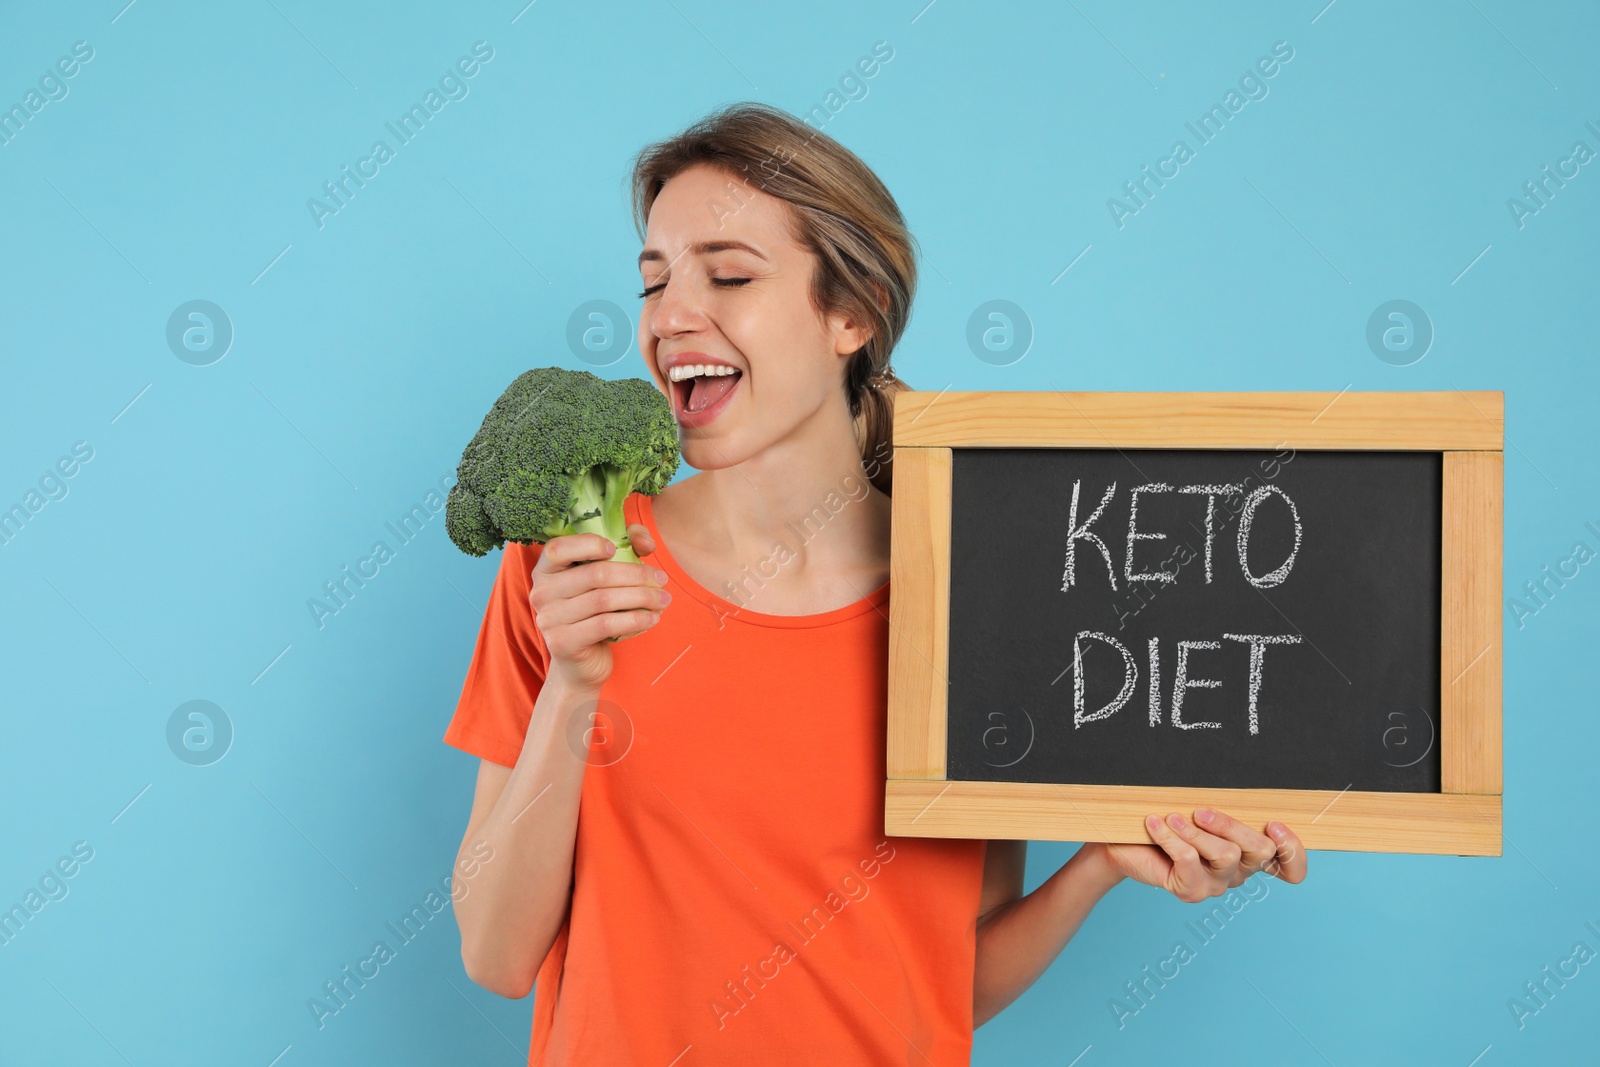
x=726, y=285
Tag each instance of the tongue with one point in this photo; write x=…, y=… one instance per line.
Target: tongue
x=707, y=391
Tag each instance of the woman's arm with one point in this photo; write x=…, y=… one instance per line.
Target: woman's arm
x=1020, y=936
x=526, y=819
x=524, y=822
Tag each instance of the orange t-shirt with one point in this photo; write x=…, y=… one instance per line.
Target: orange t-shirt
x=735, y=899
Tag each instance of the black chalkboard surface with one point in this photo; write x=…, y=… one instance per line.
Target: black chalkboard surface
x=1332, y=617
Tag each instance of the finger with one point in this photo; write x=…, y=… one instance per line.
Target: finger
x=1144, y=863
x=575, y=581
x=571, y=597
x=611, y=598
x=1255, y=847
x=639, y=537
x=1290, y=861
x=610, y=624
x=1220, y=854
x=567, y=549
x=1189, y=879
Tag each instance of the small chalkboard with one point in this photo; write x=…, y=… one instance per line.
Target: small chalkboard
x=1205, y=618
x=1281, y=605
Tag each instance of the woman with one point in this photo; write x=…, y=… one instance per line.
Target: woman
x=727, y=894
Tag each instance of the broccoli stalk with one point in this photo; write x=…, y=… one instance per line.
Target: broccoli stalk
x=597, y=499
x=559, y=453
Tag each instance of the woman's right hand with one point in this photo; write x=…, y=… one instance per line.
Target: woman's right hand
x=581, y=599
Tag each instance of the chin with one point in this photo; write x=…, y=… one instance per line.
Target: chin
x=704, y=455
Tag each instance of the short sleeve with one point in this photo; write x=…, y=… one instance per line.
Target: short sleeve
x=508, y=666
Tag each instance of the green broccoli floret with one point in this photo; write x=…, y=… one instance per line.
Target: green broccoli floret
x=558, y=454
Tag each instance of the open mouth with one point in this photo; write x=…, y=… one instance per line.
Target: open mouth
x=702, y=387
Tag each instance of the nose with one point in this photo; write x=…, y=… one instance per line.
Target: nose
x=676, y=310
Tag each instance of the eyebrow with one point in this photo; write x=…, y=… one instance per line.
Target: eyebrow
x=703, y=248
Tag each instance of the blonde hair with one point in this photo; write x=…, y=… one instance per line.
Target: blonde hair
x=842, y=213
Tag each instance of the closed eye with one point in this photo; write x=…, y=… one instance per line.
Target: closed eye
x=727, y=283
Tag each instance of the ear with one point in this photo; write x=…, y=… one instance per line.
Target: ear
x=851, y=335
x=882, y=293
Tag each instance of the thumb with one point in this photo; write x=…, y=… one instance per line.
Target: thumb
x=639, y=537
x=1143, y=863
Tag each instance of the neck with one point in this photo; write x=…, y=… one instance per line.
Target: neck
x=807, y=492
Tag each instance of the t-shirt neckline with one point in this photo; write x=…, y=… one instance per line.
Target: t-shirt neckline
x=644, y=511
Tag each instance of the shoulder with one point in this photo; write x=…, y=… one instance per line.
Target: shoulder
x=677, y=504
x=517, y=562
x=680, y=493
x=519, y=553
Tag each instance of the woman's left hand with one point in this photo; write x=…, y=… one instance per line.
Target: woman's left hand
x=1194, y=860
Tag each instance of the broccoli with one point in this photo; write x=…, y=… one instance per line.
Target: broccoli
x=557, y=454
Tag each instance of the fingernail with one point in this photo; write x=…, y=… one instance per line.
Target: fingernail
x=1153, y=824
x=1175, y=821
x=1202, y=815
x=661, y=576
x=666, y=597
x=1277, y=829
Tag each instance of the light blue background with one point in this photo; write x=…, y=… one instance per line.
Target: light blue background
x=179, y=564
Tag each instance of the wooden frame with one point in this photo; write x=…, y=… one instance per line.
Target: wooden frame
x=1464, y=818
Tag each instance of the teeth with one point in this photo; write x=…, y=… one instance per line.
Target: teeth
x=698, y=370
